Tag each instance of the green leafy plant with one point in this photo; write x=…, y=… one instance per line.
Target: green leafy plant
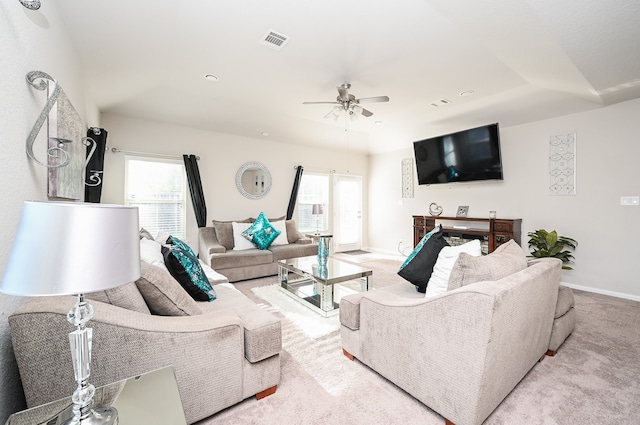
x=549, y=244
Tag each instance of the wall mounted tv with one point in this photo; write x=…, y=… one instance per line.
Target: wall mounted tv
x=463, y=156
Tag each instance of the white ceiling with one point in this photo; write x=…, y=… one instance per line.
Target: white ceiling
x=525, y=61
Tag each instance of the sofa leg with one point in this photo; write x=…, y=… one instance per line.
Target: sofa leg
x=448, y=422
x=550, y=353
x=348, y=354
x=267, y=392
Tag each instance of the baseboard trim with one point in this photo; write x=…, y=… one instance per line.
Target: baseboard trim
x=601, y=291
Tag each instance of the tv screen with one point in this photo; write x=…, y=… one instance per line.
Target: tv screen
x=464, y=156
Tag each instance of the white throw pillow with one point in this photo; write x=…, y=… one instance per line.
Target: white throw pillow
x=150, y=253
x=446, y=259
x=240, y=243
x=282, y=237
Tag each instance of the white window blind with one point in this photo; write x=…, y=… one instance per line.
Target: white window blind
x=314, y=189
x=158, y=188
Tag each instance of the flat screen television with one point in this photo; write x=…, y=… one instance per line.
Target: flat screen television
x=464, y=156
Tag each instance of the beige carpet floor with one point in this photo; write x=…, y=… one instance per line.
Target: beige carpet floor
x=594, y=378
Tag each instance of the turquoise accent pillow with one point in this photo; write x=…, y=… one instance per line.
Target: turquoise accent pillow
x=186, y=269
x=172, y=240
x=418, y=266
x=261, y=232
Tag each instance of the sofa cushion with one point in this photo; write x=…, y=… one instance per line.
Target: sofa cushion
x=224, y=232
x=186, y=269
x=507, y=259
x=418, y=266
x=163, y=294
x=293, y=250
x=293, y=235
x=262, y=330
x=126, y=296
x=261, y=232
x=447, y=257
x=244, y=258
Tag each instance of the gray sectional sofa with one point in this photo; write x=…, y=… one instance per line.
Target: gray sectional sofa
x=216, y=249
x=221, y=351
x=460, y=352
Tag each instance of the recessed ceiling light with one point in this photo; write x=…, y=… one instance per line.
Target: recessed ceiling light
x=466, y=93
x=377, y=122
x=265, y=134
x=211, y=77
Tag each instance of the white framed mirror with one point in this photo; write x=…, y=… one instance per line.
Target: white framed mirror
x=253, y=180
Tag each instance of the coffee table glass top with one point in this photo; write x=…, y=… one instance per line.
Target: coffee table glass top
x=321, y=288
x=334, y=272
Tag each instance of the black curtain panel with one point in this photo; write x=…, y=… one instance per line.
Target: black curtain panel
x=94, y=170
x=294, y=192
x=195, y=187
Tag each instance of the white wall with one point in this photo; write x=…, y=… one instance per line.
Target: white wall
x=29, y=40
x=220, y=157
x=608, y=147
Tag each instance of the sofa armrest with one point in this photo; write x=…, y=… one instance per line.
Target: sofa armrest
x=304, y=241
x=206, y=351
x=208, y=244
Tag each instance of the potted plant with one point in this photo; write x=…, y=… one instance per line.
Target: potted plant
x=549, y=244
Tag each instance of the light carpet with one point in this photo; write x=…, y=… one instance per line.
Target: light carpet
x=594, y=378
x=312, y=324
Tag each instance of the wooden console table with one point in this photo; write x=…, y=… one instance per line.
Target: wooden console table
x=494, y=231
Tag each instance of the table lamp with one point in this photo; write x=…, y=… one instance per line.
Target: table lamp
x=80, y=248
x=317, y=210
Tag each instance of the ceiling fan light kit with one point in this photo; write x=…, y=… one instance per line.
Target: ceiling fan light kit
x=349, y=103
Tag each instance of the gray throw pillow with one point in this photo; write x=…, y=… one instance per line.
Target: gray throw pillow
x=163, y=294
x=224, y=232
x=507, y=259
x=126, y=296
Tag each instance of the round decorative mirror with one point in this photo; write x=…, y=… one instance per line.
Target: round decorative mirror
x=253, y=180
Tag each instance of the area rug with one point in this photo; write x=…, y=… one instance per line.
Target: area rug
x=312, y=324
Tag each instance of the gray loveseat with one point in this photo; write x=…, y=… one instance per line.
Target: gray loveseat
x=460, y=352
x=221, y=351
x=216, y=245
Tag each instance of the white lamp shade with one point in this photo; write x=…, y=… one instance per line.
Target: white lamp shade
x=64, y=248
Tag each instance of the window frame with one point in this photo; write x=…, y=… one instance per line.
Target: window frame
x=181, y=231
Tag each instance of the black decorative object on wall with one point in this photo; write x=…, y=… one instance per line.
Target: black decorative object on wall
x=94, y=169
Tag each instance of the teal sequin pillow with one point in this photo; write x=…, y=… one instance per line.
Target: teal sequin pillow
x=172, y=240
x=261, y=232
x=186, y=269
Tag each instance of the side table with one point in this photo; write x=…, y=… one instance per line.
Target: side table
x=148, y=399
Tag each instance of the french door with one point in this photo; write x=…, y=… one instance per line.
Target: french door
x=347, y=201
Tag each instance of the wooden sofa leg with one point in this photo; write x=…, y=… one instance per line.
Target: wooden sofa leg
x=550, y=353
x=348, y=354
x=267, y=392
x=448, y=422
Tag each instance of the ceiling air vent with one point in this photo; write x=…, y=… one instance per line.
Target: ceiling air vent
x=440, y=102
x=274, y=40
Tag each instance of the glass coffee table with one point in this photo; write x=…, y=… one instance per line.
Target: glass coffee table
x=320, y=288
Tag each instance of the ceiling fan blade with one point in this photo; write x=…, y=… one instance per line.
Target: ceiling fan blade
x=343, y=93
x=366, y=113
x=374, y=99
x=317, y=103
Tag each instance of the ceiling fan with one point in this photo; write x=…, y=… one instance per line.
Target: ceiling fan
x=348, y=102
